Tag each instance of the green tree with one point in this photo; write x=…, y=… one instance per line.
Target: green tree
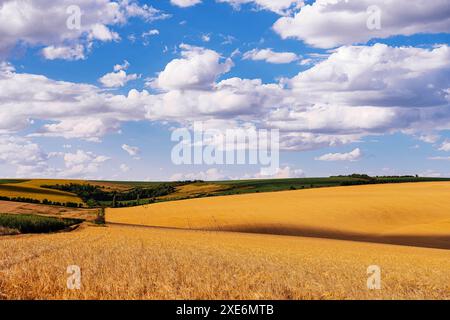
x=114, y=202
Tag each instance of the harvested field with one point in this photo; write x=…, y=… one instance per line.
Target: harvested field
x=41, y=209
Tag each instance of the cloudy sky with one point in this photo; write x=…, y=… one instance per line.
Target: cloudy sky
x=353, y=86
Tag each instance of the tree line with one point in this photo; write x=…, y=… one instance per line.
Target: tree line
x=94, y=196
x=44, y=201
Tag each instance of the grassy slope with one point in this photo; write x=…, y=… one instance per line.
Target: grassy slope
x=410, y=213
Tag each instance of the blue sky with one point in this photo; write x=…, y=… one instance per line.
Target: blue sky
x=100, y=101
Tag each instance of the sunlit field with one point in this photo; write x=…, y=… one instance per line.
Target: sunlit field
x=150, y=263
x=32, y=189
x=305, y=244
x=412, y=213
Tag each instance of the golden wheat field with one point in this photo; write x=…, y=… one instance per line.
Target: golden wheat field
x=309, y=244
x=193, y=190
x=32, y=189
x=410, y=213
x=149, y=263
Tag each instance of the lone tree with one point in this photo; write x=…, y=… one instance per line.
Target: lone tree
x=100, y=216
x=114, y=203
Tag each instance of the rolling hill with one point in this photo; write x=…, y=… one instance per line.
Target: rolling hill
x=32, y=189
x=411, y=213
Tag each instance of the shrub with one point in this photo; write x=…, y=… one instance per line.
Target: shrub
x=29, y=223
x=100, y=219
x=71, y=204
x=4, y=231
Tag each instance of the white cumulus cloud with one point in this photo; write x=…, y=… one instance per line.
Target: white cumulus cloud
x=51, y=24
x=132, y=151
x=445, y=146
x=356, y=91
x=212, y=174
x=281, y=7
x=270, y=56
x=185, y=3
x=197, y=69
x=64, y=52
x=332, y=23
x=350, y=156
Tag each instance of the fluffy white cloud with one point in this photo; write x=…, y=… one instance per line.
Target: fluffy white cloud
x=270, y=56
x=81, y=164
x=297, y=140
x=64, y=52
x=206, y=38
x=79, y=127
x=229, y=98
x=124, y=168
x=55, y=23
x=102, y=33
x=123, y=66
x=439, y=158
x=197, y=69
x=71, y=110
x=350, y=156
x=379, y=76
x=445, y=146
x=152, y=32
x=281, y=7
x=29, y=160
x=19, y=151
x=212, y=174
x=283, y=173
x=429, y=137
x=81, y=157
x=331, y=23
x=431, y=173
x=360, y=91
x=215, y=174
x=357, y=91
x=119, y=77
x=132, y=151
x=185, y=3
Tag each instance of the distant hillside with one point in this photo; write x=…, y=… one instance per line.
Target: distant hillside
x=77, y=193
